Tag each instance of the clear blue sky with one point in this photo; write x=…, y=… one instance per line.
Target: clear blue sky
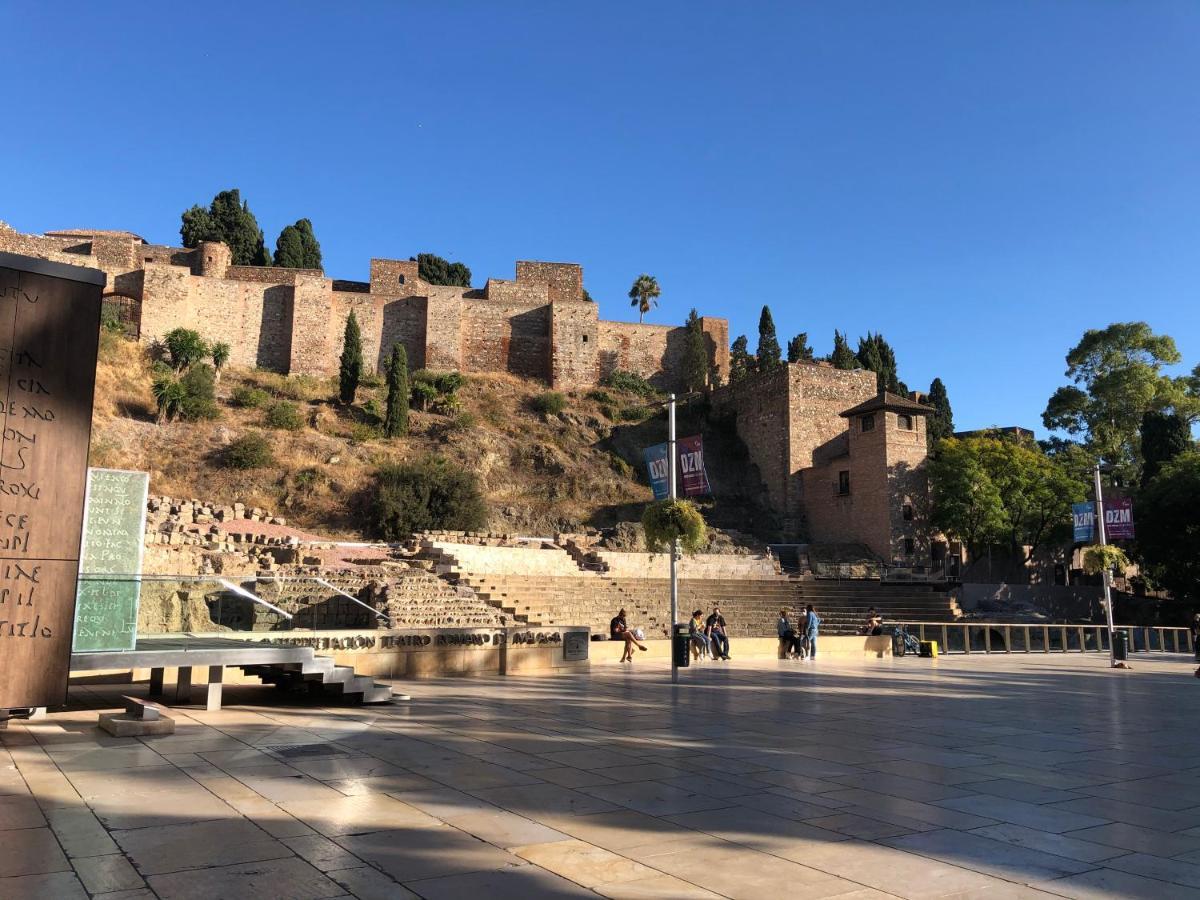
x=979, y=181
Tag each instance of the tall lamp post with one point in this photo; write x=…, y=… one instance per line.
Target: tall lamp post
x=672, y=478
x=1106, y=576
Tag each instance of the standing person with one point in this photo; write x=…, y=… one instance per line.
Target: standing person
x=618, y=630
x=791, y=640
x=812, y=628
x=700, y=644
x=715, y=626
x=1196, y=635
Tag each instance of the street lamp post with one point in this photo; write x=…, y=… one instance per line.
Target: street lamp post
x=671, y=475
x=1106, y=575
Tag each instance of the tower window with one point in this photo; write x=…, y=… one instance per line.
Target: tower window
x=844, y=481
x=908, y=512
x=868, y=423
x=904, y=422
x=585, y=338
x=401, y=279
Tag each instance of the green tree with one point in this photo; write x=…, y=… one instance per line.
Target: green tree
x=184, y=347
x=876, y=354
x=842, y=356
x=168, y=397
x=644, y=294
x=297, y=247
x=697, y=366
x=769, y=354
x=940, y=423
x=395, y=421
x=1164, y=436
x=1118, y=377
x=350, y=370
x=219, y=353
x=228, y=219
x=433, y=269
x=741, y=363
x=1168, y=530
x=430, y=494
x=798, y=349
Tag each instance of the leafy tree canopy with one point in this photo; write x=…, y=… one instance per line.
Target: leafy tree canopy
x=769, y=354
x=430, y=494
x=1164, y=436
x=1118, y=377
x=842, y=356
x=876, y=354
x=433, y=269
x=998, y=490
x=741, y=363
x=1168, y=529
x=228, y=218
x=798, y=349
x=297, y=247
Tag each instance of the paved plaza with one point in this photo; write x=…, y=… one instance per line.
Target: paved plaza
x=965, y=777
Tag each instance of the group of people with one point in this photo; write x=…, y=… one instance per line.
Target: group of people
x=709, y=637
x=800, y=642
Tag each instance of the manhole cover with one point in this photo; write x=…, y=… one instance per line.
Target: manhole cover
x=304, y=751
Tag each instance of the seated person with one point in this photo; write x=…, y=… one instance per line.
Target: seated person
x=874, y=622
x=700, y=642
x=787, y=634
x=618, y=630
x=715, y=626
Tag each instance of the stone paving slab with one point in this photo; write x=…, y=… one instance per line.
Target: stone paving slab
x=981, y=778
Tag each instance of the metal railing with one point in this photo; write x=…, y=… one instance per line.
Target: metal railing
x=1014, y=637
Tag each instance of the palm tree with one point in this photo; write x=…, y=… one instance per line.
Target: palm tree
x=220, y=355
x=644, y=294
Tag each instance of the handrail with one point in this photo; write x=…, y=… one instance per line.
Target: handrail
x=1051, y=637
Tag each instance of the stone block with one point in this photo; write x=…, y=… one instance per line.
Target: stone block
x=124, y=725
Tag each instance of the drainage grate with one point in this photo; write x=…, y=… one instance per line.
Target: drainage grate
x=304, y=751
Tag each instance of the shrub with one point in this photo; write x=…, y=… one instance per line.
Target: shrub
x=550, y=403
x=670, y=520
x=630, y=383
x=284, y=414
x=361, y=432
x=426, y=495
x=168, y=396
x=220, y=355
x=371, y=380
x=184, y=347
x=446, y=383
x=249, y=397
x=601, y=397
x=251, y=451
x=610, y=412
x=372, y=410
x=110, y=318
x=464, y=421
x=306, y=480
x=423, y=394
x=1097, y=559
x=633, y=413
x=619, y=466
x=199, y=394
x=448, y=405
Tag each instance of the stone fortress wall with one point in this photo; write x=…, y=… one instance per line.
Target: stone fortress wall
x=537, y=325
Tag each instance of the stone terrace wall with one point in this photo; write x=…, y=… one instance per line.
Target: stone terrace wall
x=546, y=560
x=697, y=566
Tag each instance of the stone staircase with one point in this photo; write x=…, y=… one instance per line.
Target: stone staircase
x=321, y=675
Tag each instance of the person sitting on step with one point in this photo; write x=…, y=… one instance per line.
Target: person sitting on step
x=700, y=641
x=874, y=622
x=715, y=626
x=618, y=630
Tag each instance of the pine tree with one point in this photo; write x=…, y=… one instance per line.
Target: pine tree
x=297, y=247
x=350, y=370
x=433, y=269
x=842, y=357
x=228, y=218
x=798, y=349
x=741, y=363
x=696, y=364
x=769, y=354
x=395, y=421
x=875, y=354
x=940, y=423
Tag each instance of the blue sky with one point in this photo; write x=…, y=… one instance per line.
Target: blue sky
x=979, y=181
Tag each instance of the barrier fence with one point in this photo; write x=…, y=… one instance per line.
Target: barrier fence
x=1009, y=637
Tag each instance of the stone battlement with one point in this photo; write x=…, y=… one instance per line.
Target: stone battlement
x=537, y=325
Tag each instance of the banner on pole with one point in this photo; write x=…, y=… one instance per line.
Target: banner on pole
x=1084, y=515
x=1118, y=519
x=657, y=466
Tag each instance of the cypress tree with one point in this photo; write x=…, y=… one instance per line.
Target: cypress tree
x=842, y=357
x=940, y=424
x=769, y=354
x=741, y=363
x=696, y=367
x=227, y=218
x=396, y=418
x=876, y=354
x=297, y=247
x=1164, y=436
x=798, y=349
x=350, y=370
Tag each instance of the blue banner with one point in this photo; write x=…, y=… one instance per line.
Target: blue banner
x=1084, y=515
x=660, y=475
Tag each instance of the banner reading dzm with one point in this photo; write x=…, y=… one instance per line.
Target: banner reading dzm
x=1118, y=519
x=691, y=474
x=1084, y=515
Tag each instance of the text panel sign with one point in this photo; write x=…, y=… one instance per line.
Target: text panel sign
x=114, y=522
x=49, y=328
x=1084, y=516
x=1118, y=519
x=690, y=473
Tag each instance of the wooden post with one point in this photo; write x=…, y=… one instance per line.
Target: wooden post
x=945, y=639
x=156, y=681
x=967, y=638
x=1045, y=638
x=987, y=638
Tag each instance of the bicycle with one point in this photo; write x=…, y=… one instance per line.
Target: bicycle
x=903, y=642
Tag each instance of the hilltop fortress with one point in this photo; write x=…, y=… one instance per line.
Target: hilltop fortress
x=291, y=320
x=841, y=463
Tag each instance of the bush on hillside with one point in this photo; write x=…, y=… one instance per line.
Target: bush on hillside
x=550, y=403
x=630, y=383
x=250, y=451
x=601, y=397
x=249, y=397
x=184, y=347
x=285, y=415
x=633, y=414
x=429, y=494
x=199, y=394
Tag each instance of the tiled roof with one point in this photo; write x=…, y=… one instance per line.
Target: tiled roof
x=888, y=401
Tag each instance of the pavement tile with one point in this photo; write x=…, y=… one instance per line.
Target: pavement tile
x=999, y=858
x=291, y=878
x=31, y=851
x=172, y=848
x=57, y=885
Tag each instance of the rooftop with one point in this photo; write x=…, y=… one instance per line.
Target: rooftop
x=888, y=401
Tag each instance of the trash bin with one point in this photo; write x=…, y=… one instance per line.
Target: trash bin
x=1120, y=645
x=681, y=646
